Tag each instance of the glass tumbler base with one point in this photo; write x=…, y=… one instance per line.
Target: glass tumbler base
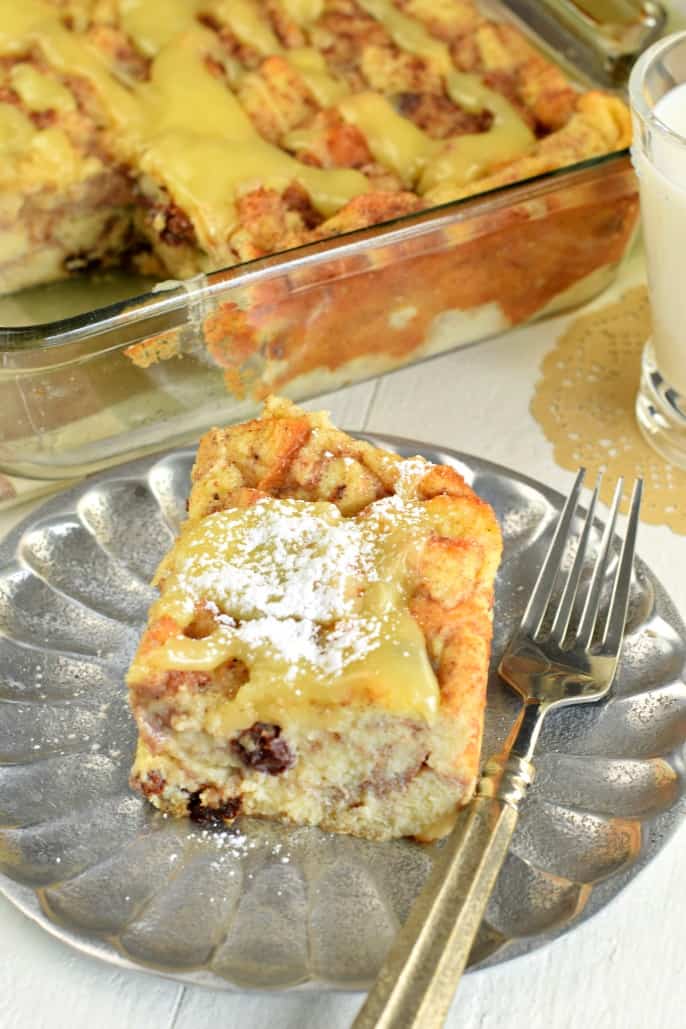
x=661, y=412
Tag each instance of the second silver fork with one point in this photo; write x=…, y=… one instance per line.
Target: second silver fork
x=553, y=659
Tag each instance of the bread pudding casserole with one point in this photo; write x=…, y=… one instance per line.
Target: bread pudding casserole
x=320, y=647
x=189, y=135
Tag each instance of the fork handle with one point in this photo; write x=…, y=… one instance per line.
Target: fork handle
x=416, y=985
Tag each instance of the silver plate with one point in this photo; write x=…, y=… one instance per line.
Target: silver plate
x=266, y=906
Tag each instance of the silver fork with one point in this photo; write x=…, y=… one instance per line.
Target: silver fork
x=549, y=667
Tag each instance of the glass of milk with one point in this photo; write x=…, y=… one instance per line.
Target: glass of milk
x=658, y=101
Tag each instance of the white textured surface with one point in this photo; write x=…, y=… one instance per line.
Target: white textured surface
x=624, y=969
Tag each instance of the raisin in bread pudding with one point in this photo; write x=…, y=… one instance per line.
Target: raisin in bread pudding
x=320, y=647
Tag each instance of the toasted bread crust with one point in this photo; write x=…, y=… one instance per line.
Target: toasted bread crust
x=427, y=772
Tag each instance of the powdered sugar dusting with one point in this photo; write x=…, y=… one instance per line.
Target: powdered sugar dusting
x=285, y=579
x=301, y=642
x=411, y=471
x=285, y=561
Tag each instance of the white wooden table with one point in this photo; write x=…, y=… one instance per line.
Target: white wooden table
x=624, y=969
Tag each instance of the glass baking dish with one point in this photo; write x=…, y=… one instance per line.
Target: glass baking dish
x=157, y=370
x=159, y=367
x=604, y=37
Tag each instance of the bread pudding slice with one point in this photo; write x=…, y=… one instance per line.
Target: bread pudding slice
x=320, y=647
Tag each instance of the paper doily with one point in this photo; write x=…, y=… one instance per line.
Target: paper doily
x=584, y=402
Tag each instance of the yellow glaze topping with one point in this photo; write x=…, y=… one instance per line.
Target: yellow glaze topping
x=393, y=140
x=150, y=28
x=467, y=156
x=16, y=130
x=312, y=67
x=205, y=147
x=303, y=12
x=53, y=149
x=245, y=21
x=423, y=162
x=38, y=91
x=315, y=604
x=409, y=34
x=33, y=150
x=186, y=128
x=32, y=23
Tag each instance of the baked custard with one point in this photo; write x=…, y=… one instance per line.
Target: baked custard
x=319, y=649
x=191, y=135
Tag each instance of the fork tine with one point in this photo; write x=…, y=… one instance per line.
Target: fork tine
x=542, y=591
x=584, y=633
x=619, y=602
x=563, y=614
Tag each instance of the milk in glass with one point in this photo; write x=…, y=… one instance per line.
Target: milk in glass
x=662, y=176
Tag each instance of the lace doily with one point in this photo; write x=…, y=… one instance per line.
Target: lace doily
x=584, y=402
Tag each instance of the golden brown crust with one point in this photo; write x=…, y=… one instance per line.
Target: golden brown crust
x=422, y=773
